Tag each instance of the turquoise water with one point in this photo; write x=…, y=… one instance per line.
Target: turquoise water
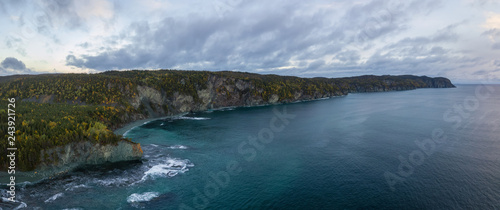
x=420, y=149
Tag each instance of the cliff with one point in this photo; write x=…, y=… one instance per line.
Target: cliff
x=66, y=120
x=68, y=157
x=221, y=90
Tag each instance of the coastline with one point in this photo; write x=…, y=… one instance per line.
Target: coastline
x=126, y=127
x=33, y=178
x=131, y=125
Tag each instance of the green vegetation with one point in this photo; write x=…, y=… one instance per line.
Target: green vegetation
x=43, y=125
x=54, y=110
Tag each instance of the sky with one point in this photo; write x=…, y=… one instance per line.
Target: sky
x=457, y=39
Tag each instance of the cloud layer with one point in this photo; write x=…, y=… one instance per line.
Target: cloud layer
x=460, y=40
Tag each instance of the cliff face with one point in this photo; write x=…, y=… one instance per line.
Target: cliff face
x=65, y=158
x=223, y=91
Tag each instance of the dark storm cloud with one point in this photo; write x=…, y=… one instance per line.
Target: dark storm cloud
x=11, y=65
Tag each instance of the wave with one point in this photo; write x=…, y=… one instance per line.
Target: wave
x=222, y=109
x=115, y=181
x=76, y=187
x=192, y=118
x=147, y=196
x=170, y=168
x=178, y=147
x=11, y=204
x=126, y=132
x=54, y=197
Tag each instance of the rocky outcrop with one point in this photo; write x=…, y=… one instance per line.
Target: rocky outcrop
x=41, y=99
x=65, y=158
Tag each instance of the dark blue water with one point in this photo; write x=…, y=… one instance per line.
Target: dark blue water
x=420, y=149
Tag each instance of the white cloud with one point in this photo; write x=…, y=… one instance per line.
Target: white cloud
x=94, y=8
x=492, y=21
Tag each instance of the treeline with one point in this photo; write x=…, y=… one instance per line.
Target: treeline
x=72, y=88
x=115, y=87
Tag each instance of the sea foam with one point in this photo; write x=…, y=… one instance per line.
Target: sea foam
x=21, y=204
x=192, y=118
x=147, y=196
x=169, y=168
x=177, y=147
x=54, y=197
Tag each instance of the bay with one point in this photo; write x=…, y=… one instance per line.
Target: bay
x=419, y=149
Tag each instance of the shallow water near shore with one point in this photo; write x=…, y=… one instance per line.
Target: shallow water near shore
x=419, y=149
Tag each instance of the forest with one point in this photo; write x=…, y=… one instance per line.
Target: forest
x=56, y=109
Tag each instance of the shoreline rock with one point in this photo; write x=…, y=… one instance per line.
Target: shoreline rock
x=62, y=159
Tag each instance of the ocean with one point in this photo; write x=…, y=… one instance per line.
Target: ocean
x=418, y=149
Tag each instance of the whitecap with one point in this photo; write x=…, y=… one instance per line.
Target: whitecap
x=178, y=147
x=54, y=197
x=147, y=196
x=126, y=132
x=169, y=168
x=76, y=187
x=112, y=182
x=193, y=118
x=229, y=108
x=21, y=204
